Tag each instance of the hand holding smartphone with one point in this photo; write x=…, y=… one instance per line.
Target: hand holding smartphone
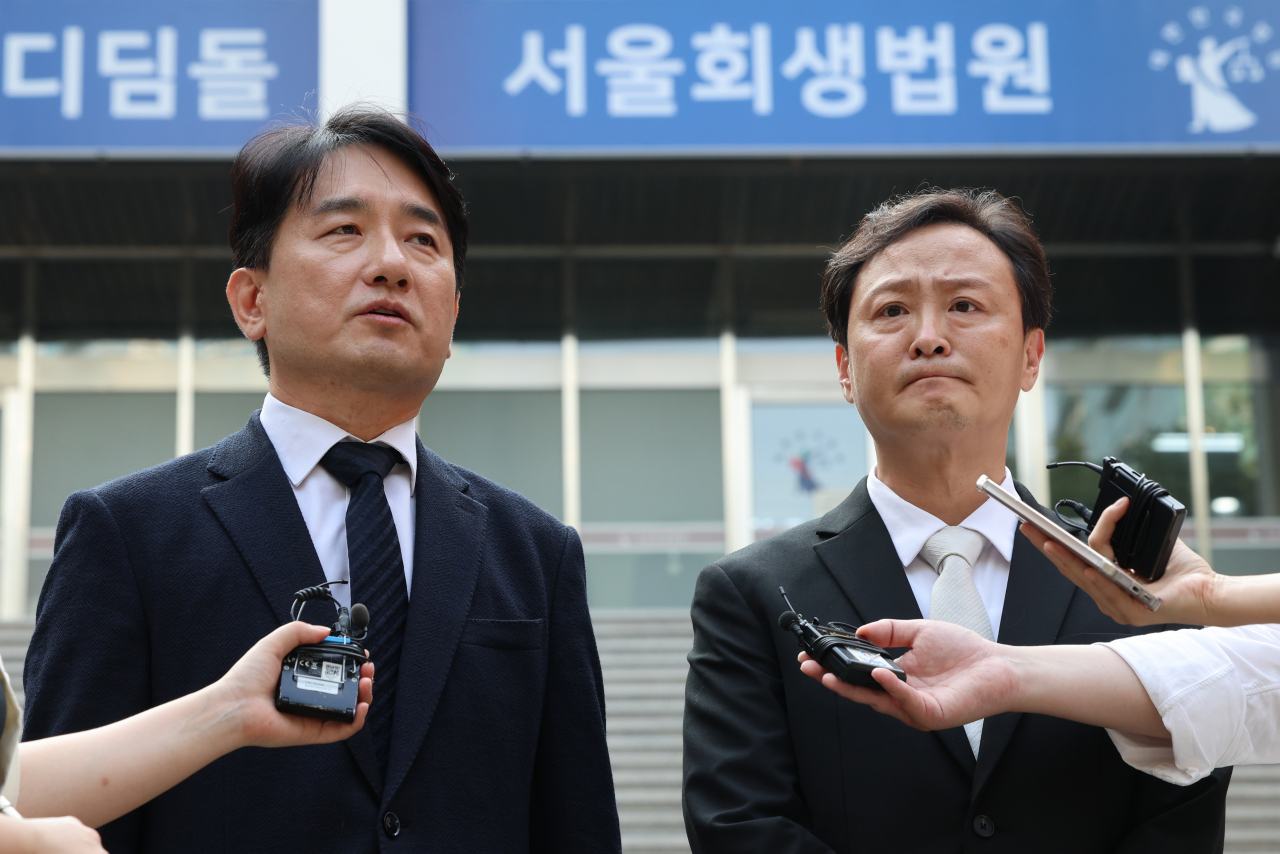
x=1058, y=534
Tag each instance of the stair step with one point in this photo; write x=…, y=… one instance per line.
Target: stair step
x=645, y=724
x=642, y=778
x=625, y=706
x=649, y=795
x=645, y=675
x=642, y=690
x=662, y=659
x=646, y=741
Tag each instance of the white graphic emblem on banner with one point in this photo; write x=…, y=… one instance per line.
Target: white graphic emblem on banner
x=1212, y=58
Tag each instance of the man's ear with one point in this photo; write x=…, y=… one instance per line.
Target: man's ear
x=457, y=300
x=1033, y=347
x=846, y=375
x=245, y=294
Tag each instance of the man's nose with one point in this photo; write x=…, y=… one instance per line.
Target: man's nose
x=388, y=264
x=929, y=339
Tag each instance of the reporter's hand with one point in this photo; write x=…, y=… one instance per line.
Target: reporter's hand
x=954, y=676
x=1186, y=588
x=64, y=835
x=249, y=691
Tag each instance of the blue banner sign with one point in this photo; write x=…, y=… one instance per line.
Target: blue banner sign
x=748, y=76
x=197, y=76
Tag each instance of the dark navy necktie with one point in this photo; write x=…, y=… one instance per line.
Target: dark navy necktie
x=377, y=573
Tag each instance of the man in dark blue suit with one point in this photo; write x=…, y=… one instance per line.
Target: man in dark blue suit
x=487, y=728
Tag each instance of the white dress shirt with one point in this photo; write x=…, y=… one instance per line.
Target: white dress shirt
x=1218, y=693
x=910, y=528
x=300, y=440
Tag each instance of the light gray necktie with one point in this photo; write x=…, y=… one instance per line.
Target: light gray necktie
x=952, y=553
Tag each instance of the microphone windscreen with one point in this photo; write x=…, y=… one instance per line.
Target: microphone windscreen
x=787, y=619
x=359, y=616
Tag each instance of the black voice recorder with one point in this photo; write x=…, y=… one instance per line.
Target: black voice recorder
x=1145, y=535
x=322, y=680
x=837, y=647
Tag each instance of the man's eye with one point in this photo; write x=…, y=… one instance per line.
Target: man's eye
x=345, y=229
x=893, y=311
x=964, y=305
x=422, y=240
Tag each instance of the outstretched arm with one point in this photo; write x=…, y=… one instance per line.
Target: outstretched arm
x=954, y=676
x=101, y=774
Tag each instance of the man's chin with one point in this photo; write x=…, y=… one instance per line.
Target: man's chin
x=385, y=370
x=390, y=375
x=946, y=419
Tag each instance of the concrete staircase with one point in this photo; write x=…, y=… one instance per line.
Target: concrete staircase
x=642, y=652
x=1253, y=810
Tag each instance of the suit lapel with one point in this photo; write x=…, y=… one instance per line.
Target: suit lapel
x=859, y=553
x=1035, y=604
x=257, y=507
x=446, y=562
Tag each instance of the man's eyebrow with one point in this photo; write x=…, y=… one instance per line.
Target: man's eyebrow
x=340, y=204
x=891, y=285
x=957, y=282
x=353, y=204
x=906, y=283
x=421, y=213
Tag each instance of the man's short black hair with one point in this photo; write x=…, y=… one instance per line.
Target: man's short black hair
x=987, y=212
x=277, y=169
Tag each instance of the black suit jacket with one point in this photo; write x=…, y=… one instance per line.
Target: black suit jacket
x=163, y=579
x=775, y=763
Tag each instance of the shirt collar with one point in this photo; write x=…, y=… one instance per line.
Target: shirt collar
x=910, y=527
x=301, y=439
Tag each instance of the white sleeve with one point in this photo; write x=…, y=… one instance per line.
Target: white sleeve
x=1218, y=693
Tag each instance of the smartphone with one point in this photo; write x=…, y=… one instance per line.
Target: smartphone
x=1058, y=534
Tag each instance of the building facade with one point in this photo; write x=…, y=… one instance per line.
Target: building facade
x=640, y=349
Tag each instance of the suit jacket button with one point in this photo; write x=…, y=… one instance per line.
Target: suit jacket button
x=984, y=826
x=391, y=825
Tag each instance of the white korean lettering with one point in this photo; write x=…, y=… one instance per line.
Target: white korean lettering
x=141, y=87
x=1008, y=61
x=534, y=68
x=70, y=86
x=726, y=72
x=16, y=82
x=907, y=57
x=836, y=89
x=639, y=77
x=233, y=72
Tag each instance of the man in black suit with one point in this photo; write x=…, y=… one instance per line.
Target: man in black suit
x=937, y=305
x=487, y=728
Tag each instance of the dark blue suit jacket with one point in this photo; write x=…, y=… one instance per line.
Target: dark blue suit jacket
x=163, y=579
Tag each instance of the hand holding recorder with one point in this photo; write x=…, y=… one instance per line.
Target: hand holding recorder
x=954, y=676
x=101, y=774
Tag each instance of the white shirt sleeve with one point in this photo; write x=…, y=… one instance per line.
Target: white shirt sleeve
x=1218, y=693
